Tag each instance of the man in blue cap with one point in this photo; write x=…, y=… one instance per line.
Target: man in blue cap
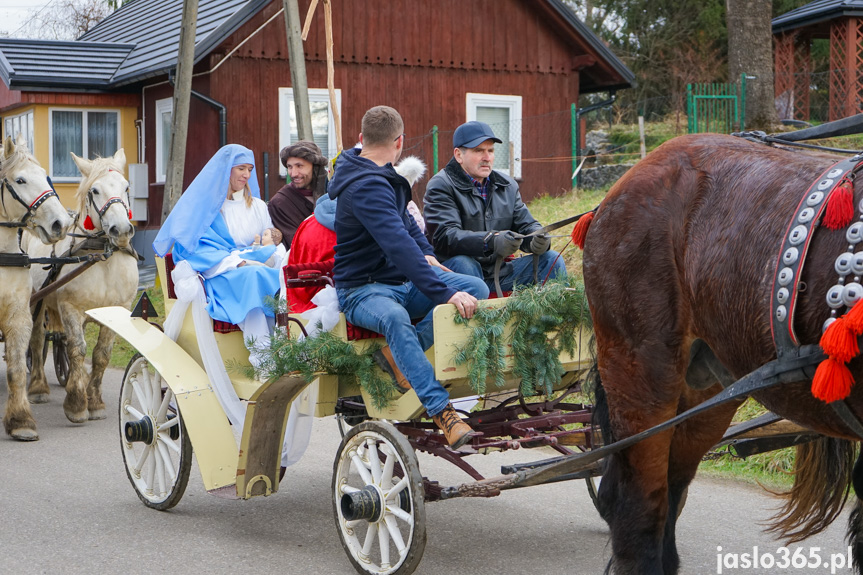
x=476, y=219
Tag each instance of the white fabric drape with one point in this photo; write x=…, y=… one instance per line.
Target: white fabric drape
x=190, y=292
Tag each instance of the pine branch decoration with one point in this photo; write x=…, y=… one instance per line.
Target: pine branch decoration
x=545, y=323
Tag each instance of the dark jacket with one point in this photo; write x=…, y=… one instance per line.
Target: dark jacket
x=377, y=239
x=288, y=208
x=458, y=221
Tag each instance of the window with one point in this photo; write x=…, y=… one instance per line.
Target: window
x=20, y=124
x=323, y=125
x=503, y=115
x=87, y=133
x=164, y=119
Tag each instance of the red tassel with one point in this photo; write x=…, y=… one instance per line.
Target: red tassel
x=854, y=318
x=839, y=341
x=579, y=232
x=832, y=381
x=840, y=206
x=88, y=223
x=130, y=215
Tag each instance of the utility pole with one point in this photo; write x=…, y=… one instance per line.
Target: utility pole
x=297, y=57
x=180, y=117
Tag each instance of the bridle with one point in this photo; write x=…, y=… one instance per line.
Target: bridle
x=88, y=225
x=31, y=208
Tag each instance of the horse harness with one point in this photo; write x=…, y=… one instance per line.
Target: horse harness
x=787, y=285
x=31, y=208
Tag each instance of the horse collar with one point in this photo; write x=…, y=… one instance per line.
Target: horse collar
x=795, y=245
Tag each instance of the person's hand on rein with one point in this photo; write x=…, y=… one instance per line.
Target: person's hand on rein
x=505, y=244
x=540, y=244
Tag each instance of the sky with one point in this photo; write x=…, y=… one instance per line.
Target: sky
x=13, y=13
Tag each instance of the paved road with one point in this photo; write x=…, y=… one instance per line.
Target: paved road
x=67, y=507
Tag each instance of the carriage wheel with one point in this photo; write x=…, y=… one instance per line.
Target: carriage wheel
x=156, y=448
x=593, y=489
x=61, y=359
x=378, y=500
x=30, y=356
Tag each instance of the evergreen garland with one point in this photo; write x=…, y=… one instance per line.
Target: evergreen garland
x=545, y=323
x=325, y=353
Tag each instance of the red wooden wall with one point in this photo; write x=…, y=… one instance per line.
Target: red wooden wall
x=421, y=57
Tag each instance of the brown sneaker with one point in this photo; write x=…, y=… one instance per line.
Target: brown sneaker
x=456, y=431
x=384, y=358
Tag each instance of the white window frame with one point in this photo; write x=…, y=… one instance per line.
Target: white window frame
x=162, y=106
x=474, y=100
x=286, y=100
x=84, y=150
x=29, y=134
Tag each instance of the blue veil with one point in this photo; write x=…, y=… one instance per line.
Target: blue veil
x=200, y=204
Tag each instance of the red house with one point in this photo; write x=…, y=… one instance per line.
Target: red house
x=515, y=64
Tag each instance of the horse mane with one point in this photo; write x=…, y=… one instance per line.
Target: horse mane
x=20, y=157
x=101, y=166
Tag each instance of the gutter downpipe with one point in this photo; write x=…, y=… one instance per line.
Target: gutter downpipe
x=223, y=110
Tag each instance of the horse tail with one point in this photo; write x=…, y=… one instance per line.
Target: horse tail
x=854, y=535
x=823, y=474
x=579, y=232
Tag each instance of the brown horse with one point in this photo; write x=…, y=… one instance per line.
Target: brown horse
x=684, y=248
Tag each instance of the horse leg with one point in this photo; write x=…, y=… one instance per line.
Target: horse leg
x=18, y=420
x=38, y=390
x=633, y=495
x=692, y=439
x=75, y=405
x=101, y=357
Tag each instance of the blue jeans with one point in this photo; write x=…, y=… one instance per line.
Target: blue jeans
x=389, y=309
x=522, y=269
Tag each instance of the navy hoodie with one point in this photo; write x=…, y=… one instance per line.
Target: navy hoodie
x=377, y=240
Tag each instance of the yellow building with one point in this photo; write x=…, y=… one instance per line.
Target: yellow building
x=54, y=130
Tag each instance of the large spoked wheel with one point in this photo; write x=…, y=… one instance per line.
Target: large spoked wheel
x=156, y=449
x=61, y=359
x=378, y=500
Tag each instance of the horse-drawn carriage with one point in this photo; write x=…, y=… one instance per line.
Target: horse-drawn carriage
x=170, y=408
x=694, y=277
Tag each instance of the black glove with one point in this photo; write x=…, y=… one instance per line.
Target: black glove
x=540, y=244
x=505, y=244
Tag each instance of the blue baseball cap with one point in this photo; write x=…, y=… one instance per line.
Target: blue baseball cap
x=472, y=134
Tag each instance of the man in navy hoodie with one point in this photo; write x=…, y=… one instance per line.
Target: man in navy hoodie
x=385, y=270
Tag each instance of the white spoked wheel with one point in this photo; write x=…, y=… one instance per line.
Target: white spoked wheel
x=156, y=449
x=378, y=500
x=593, y=489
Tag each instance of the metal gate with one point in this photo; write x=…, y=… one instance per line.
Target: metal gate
x=714, y=108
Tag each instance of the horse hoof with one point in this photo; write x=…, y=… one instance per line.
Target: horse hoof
x=38, y=398
x=97, y=414
x=25, y=434
x=80, y=417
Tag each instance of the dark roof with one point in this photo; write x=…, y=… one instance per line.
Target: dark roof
x=37, y=63
x=139, y=40
x=153, y=26
x=598, y=45
x=815, y=13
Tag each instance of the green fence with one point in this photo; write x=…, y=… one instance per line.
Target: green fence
x=718, y=108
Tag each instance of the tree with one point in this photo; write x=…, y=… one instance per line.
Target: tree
x=64, y=19
x=750, y=51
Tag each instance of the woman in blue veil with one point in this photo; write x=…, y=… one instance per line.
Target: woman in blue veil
x=212, y=226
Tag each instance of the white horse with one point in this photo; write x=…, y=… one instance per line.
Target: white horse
x=103, y=205
x=28, y=202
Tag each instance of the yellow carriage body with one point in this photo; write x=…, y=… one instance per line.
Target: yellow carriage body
x=253, y=470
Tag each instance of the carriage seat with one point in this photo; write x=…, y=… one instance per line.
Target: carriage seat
x=218, y=326
x=320, y=275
